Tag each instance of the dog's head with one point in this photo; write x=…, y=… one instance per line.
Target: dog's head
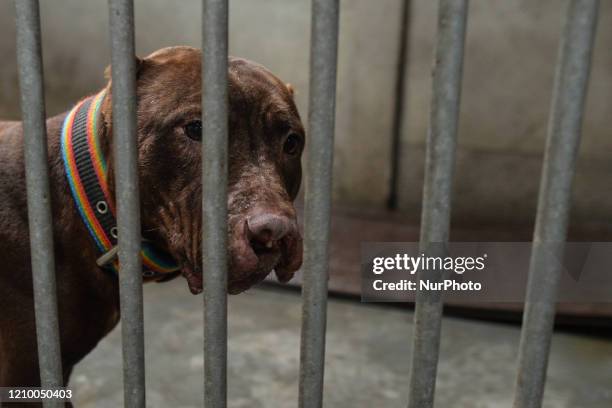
x=266, y=139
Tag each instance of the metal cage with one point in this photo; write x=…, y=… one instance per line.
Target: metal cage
x=572, y=74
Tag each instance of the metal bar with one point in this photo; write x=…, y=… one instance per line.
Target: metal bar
x=400, y=102
x=123, y=72
x=439, y=167
x=317, y=207
x=214, y=201
x=562, y=145
x=29, y=57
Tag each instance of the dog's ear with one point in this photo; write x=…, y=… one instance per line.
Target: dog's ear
x=290, y=89
x=140, y=64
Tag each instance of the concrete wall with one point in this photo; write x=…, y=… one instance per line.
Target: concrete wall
x=272, y=32
x=509, y=66
x=508, y=76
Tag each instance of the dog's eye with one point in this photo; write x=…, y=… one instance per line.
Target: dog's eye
x=292, y=144
x=193, y=130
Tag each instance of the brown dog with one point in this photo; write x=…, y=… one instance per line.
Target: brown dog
x=265, y=145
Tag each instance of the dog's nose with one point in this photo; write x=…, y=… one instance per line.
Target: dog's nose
x=265, y=230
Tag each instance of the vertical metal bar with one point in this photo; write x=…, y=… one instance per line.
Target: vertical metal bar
x=317, y=207
x=439, y=167
x=123, y=70
x=214, y=208
x=562, y=145
x=29, y=57
x=399, y=100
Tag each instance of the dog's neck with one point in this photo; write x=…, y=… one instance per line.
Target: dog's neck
x=85, y=145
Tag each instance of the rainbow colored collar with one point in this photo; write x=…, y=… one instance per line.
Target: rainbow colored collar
x=86, y=172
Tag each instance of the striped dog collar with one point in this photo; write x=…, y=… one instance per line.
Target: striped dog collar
x=86, y=172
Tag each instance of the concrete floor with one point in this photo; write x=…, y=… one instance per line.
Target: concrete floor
x=368, y=350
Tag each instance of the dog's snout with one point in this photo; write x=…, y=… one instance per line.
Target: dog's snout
x=266, y=229
x=264, y=240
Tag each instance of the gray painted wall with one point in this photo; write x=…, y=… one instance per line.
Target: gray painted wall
x=507, y=88
x=509, y=66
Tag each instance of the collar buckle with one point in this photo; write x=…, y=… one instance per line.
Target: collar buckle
x=108, y=257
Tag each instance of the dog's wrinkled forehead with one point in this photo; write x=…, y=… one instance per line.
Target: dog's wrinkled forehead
x=170, y=80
